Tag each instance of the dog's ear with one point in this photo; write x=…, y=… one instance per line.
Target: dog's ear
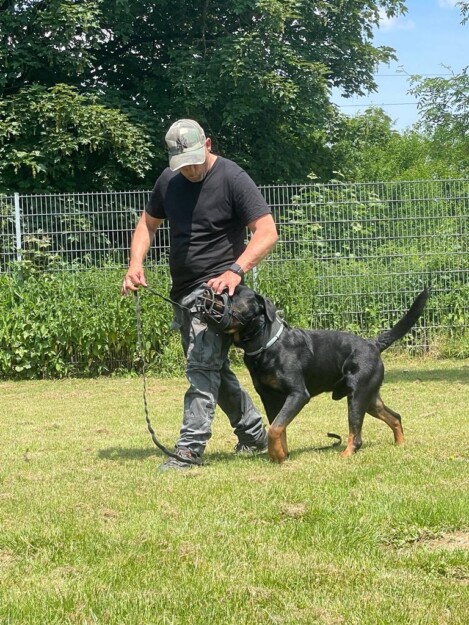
x=269, y=307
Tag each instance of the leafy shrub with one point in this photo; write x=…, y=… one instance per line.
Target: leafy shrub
x=77, y=324
x=350, y=258
x=57, y=324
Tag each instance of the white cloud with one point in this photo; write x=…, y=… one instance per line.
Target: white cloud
x=447, y=4
x=395, y=23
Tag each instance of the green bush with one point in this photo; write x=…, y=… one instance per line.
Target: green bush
x=65, y=323
x=62, y=323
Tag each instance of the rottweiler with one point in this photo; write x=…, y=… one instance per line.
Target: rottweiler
x=289, y=366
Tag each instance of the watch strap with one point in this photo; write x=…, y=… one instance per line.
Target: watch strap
x=235, y=268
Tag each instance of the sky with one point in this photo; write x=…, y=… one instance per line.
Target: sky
x=428, y=40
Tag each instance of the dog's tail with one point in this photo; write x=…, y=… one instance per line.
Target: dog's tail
x=388, y=337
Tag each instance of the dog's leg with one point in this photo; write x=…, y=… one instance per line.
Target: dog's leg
x=272, y=401
x=277, y=443
x=356, y=414
x=277, y=435
x=378, y=410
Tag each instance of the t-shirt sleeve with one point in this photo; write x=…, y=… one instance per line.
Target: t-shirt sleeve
x=155, y=206
x=249, y=203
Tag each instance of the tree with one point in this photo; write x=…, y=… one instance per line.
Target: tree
x=464, y=8
x=57, y=139
x=46, y=42
x=257, y=74
x=366, y=148
x=444, y=112
x=52, y=137
x=358, y=143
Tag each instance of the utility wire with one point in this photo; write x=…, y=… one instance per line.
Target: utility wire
x=380, y=104
x=407, y=75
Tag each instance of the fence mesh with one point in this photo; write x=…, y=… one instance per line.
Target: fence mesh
x=368, y=247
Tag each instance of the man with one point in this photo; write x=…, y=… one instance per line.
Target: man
x=208, y=201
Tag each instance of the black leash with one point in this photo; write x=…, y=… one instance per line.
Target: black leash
x=338, y=441
x=138, y=315
x=166, y=299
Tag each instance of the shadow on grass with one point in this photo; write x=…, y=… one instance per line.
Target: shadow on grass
x=125, y=453
x=119, y=454
x=230, y=456
x=447, y=376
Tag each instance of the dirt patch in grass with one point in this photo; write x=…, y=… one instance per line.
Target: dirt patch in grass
x=449, y=542
x=7, y=557
x=293, y=510
x=423, y=537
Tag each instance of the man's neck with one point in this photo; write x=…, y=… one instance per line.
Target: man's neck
x=211, y=161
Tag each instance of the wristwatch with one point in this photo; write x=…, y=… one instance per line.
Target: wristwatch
x=235, y=268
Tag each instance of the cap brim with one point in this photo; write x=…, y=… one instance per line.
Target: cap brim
x=195, y=157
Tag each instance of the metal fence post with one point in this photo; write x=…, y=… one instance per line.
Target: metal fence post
x=18, y=226
x=254, y=278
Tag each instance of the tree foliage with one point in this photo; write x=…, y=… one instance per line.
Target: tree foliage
x=55, y=138
x=256, y=73
x=368, y=148
x=444, y=115
x=46, y=42
x=56, y=135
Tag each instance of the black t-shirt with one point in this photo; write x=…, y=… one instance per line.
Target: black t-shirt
x=207, y=220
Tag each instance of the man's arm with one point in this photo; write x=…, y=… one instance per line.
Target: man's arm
x=264, y=236
x=141, y=240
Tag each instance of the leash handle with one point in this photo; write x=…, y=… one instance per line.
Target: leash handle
x=138, y=315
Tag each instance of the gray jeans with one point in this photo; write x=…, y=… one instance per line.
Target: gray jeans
x=211, y=382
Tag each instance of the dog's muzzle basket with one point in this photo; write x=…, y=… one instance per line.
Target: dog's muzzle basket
x=214, y=308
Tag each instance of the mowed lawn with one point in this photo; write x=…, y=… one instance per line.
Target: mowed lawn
x=91, y=533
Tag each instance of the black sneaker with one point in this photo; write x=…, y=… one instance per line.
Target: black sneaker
x=258, y=447
x=180, y=465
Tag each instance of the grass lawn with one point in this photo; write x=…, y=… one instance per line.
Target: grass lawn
x=91, y=533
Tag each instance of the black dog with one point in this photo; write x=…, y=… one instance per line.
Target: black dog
x=289, y=366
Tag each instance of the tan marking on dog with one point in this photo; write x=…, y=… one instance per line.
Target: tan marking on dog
x=277, y=444
x=350, y=449
x=382, y=412
x=272, y=381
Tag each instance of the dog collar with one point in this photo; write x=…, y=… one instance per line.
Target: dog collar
x=277, y=329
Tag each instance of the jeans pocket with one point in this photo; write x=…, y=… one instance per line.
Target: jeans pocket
x=199, y=346
x=178, y=318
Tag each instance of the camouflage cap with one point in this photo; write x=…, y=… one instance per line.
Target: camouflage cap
x=186, y=144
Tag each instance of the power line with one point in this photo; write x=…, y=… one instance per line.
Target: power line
x=381, y=104
x=408, y=75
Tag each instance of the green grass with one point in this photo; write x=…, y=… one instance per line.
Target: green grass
x=91, y=533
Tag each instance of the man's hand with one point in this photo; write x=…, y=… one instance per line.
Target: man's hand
x=263, y=239
x=228, y=280
x=134, y=278
x=141, y=241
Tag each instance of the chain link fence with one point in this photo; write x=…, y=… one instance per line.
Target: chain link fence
x=350, y=256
